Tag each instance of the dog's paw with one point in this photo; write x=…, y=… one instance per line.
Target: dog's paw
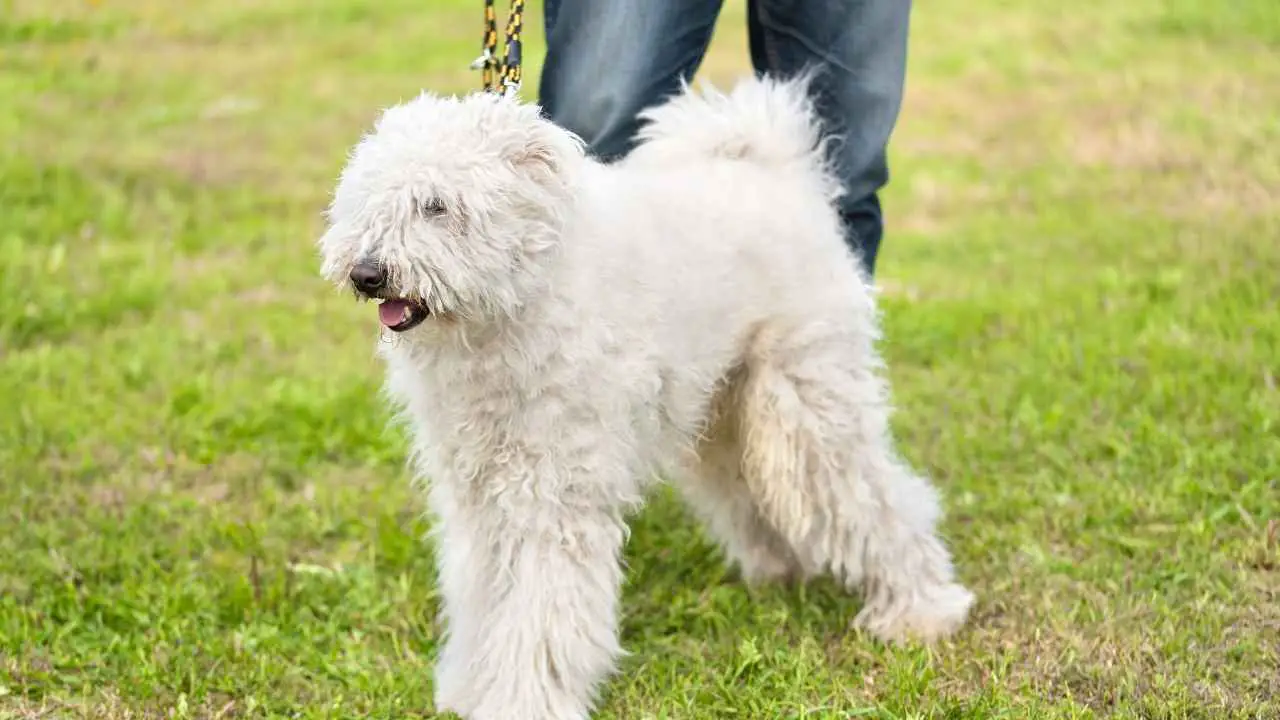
x=925, y=617
x=452, y=694
x=530, y=708
x=518, y=698
x=451, y=704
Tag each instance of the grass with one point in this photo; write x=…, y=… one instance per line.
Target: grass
x=203, y=513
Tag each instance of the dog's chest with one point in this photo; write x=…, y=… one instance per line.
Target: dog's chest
x=473, y=411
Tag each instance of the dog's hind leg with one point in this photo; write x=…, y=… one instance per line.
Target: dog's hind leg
x=820, y=463
x=711, y=482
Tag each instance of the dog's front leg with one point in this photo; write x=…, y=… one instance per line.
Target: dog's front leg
x=530, y=574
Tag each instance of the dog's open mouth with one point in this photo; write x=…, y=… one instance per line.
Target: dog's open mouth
x=399, y=315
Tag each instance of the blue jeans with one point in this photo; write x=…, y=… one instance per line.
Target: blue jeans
x=609, y=59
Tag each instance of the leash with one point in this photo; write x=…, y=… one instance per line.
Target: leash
x=501, y=76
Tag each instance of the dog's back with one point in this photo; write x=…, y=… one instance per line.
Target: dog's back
x=762, y=120
x=728, y=203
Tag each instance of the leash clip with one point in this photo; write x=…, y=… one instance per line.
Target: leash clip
x=485, y=60
x=501, y=75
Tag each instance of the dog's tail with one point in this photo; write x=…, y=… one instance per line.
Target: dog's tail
x=762, y=120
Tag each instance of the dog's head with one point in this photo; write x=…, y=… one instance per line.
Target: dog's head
x=449, y=207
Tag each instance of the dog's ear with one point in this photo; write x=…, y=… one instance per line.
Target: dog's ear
x=546, y=151
x=537, y=156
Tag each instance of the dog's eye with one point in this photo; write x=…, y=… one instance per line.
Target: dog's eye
x=431, y=208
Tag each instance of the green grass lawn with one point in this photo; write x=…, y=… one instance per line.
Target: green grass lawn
x=203, y=513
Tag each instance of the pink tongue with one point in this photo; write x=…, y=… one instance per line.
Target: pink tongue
x=391, y=312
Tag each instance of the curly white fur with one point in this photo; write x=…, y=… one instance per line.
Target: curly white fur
x=691, y=312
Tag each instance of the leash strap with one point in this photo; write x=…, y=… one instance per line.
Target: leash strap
x=501, y=75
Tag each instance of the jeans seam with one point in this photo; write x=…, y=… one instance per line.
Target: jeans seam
x=766, y=37
x=769, y=26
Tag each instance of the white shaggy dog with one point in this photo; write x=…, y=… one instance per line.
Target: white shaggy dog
x=564, y=331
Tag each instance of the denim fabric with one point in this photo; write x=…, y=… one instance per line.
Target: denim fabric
x=608, y=59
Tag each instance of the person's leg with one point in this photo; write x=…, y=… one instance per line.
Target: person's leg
x=607, y=61
x=859, y=48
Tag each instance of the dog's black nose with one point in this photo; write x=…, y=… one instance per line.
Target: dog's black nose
x=368, y=277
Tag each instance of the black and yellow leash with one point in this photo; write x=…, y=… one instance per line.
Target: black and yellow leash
x=501, y=75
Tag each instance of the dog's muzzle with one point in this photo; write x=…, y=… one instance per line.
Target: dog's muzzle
x=397, y=314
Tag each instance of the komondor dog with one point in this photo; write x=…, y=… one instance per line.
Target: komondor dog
x=563, y=331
